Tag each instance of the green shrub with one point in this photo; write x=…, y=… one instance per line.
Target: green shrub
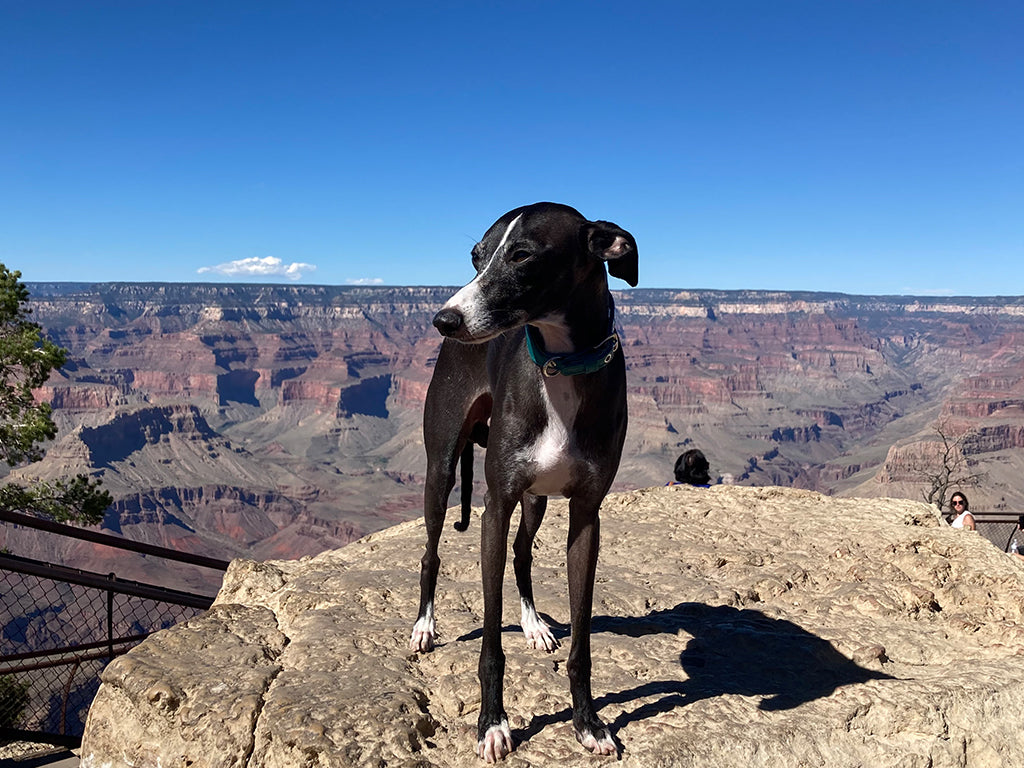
x=13, y=700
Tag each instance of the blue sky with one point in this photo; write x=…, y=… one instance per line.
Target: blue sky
x=861, y=146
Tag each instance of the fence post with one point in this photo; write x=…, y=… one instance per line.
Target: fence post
x=110, y=617
x=67, y=697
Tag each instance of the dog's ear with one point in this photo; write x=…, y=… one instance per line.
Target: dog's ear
x=612, y=244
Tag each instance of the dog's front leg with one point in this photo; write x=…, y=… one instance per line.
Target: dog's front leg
x=494, y=739
x=583, y=545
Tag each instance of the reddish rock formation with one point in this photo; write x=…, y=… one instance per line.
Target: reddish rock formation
x=286, y=388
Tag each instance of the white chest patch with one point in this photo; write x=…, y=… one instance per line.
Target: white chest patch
x=552, y=455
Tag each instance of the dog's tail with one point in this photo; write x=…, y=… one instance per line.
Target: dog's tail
x=478, y=436
x=466, y=462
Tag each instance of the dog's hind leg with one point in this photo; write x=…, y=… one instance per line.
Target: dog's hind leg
x=439, y=483
x=538, y=634
x=456, y=406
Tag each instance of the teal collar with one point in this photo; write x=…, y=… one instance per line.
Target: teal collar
x=588, y=361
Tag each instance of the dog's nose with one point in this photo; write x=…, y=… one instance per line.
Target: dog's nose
x=448, y=321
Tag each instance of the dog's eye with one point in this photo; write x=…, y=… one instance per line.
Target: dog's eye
x=519, y=256
x=477, y=257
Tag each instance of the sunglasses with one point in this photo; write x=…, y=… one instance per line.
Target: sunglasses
x=957, y=503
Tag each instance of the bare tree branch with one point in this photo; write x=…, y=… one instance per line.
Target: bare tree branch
x=944, y=463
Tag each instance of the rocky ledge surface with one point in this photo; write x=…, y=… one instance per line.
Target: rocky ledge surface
x=733, y=627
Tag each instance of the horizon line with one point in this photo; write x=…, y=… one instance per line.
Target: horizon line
x=930, y=297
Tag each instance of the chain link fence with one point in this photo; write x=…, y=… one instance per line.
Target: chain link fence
x=59, y=627
x=73, y=631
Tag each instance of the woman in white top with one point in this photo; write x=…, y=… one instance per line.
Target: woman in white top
x=964, y=519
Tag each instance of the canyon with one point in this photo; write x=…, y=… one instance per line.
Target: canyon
x=278, y=421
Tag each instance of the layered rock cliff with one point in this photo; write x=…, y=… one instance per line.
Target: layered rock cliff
x=733, y=627
x=280, y=420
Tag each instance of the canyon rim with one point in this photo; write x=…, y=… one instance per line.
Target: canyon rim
x=733, y=627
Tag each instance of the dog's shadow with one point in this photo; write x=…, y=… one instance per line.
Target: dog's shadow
x=731, y=650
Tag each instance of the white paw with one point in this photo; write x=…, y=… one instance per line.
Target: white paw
x=600, y=743
x=496, y=743
x=422, y=640
x=538, y=634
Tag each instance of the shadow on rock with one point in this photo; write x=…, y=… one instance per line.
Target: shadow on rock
x=736, y=651
x=731, y=651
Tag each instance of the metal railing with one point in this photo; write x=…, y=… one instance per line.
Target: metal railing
x=60, y=626
x=997, y=527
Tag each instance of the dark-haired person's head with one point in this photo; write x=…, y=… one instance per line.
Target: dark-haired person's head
x=692, y=468
x=958, y=503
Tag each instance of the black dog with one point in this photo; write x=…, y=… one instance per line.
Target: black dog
x=551, y=383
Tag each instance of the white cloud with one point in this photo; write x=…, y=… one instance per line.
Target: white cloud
x=268, y=266
x=364, y=281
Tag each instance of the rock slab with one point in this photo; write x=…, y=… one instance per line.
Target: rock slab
x=732, y=627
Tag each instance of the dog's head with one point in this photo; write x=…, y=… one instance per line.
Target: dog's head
x=528, y=263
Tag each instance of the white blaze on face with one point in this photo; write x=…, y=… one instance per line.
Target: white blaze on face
x=467, y=300
x=508, y=231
